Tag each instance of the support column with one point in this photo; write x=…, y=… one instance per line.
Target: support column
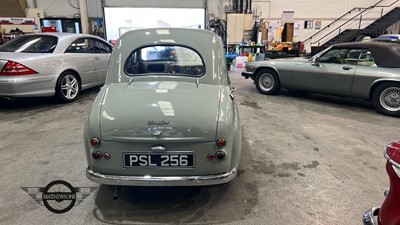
x=84, y=16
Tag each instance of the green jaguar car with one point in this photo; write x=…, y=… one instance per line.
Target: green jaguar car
x=366, y=70
x=166, y=115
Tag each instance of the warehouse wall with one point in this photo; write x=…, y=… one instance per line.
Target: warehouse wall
x=65, y=8
x=318, y=9
x=323, y=11
x=269, y=10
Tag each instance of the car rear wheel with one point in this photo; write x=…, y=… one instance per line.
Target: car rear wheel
x=386, y=99
x=267, y=82
x=68, y=87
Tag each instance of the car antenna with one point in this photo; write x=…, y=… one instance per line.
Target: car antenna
x=197, y=82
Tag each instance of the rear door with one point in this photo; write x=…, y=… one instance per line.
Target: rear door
x=334, y=72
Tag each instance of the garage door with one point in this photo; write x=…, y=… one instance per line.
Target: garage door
x=124, y=15
x=157, y=3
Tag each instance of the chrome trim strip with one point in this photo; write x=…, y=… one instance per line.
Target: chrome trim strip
x=368, y=217
x=388, y=157
x=161, y=181
x=164, y=139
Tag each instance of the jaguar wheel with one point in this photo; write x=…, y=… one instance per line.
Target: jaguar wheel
x=267, y=82
x=68, y=87
x=386, y=99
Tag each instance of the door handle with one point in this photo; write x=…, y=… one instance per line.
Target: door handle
x=97, y=58
x=347, y=67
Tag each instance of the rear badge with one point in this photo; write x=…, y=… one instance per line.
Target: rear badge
x=157, y=133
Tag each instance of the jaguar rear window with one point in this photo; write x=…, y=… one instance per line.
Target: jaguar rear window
x=168, y=60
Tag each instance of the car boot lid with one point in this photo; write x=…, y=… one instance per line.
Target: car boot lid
x=162, y=110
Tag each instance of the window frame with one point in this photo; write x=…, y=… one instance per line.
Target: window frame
x=88, y=39
x=346, y=60
x=138, y=59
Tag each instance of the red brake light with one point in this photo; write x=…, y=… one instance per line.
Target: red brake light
x=221, y=142
x=95, y=142
x=16, y=69
x=211, y=156
x=107, y=155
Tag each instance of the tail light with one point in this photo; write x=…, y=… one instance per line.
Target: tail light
x=210, y=156
x=221, y=142
x=220, y=155
x=107, y=155
x=96, y=155
x=95, y=142
x=16, y=69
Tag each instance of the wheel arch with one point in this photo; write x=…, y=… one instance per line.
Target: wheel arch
x=267, y=68
x=379, y=82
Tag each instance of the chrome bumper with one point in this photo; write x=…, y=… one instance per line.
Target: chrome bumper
x=368, y=217
x=161, y=181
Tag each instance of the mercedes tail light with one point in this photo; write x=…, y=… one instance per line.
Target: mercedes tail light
x=16, y=69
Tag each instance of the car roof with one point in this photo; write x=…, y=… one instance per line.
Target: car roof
x=60, y=35
x=65, y=39
x=385, y=54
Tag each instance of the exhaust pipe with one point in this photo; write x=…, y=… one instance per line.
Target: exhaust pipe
x=117, y=189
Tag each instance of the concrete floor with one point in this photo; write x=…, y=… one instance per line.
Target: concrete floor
x=306, y=159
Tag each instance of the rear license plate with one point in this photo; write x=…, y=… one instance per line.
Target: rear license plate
x=166, y=160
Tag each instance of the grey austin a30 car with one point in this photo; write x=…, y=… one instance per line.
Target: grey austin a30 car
x=166, y=115
x=367, y=70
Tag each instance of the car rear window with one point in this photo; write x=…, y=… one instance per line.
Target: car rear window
x=31, y=44
x=168, y=60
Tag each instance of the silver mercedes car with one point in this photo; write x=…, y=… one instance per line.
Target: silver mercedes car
x=166, y=115
x=52, y=64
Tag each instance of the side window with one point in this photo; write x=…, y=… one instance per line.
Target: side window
x=352, y=57
x=340, y=56
x=105, y=48
x=78, y=46
x=96, y=46
x=88, y=45
x=334, y=56
x=366, y=59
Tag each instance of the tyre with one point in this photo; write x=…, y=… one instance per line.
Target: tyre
x=267, y=82
x=386, y=99
x=68, y=87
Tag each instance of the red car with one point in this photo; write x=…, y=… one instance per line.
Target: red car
x=389, y=212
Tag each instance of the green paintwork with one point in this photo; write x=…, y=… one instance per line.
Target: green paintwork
x=327, y=78
x=191, y=113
